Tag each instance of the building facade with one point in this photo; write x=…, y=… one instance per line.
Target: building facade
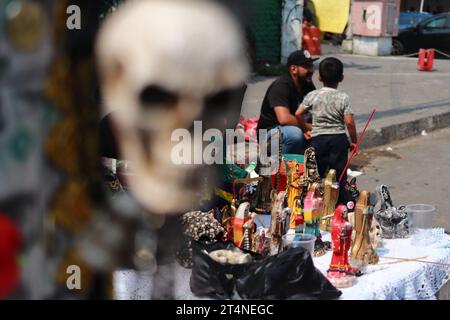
x=431, y=6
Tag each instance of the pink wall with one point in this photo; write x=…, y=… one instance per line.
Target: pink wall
x=375, y=18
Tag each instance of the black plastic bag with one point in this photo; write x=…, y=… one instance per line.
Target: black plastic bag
x=288, y=275
x=213, y=279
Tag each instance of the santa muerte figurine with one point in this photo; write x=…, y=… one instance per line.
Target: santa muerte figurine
x=362, y=251
x=313, y=205
x=341, y=274
x=311, y=182
x=330, y=199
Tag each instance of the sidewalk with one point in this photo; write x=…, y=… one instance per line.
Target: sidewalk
x=407, y=100
x=416, y=170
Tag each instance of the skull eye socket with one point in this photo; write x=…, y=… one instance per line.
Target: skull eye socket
x=154, y=95
x=223, y=108
x=220, y=99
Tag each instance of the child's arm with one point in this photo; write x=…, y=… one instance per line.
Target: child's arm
x=306, y=127
x=285, y=117
x=350, y=124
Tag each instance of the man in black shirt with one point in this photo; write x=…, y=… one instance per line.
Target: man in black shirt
x=282, y=100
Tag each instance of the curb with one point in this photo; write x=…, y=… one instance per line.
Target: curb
x=388, y=134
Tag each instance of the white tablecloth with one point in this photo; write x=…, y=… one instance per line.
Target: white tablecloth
x=405, y=280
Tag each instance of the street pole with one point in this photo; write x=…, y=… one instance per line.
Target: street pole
x=291, y=27
x=421, y=5
x=349, y=33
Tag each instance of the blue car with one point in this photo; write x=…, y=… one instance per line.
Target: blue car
x=411, y=19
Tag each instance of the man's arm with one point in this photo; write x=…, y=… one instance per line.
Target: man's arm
x=284, y=116
x=350, y=124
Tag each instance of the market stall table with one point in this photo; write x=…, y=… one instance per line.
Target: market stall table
x=385, y=281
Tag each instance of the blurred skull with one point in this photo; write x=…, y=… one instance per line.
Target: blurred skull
x=164, y=64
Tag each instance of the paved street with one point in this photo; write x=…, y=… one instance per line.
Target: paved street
x=417, y=170
x=392, y=85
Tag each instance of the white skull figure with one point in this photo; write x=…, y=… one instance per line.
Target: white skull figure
x=161, y=63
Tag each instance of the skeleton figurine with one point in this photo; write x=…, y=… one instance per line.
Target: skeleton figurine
x=362, y=249
x=341, y=274
x=277, y=224
x=393, y=221
x=158, y=79
x=162, y=65
x=311, y=170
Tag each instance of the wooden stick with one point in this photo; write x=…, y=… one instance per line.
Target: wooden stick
x=357, y=146
x=417, y=260
x=247, y=180
x=402, y=260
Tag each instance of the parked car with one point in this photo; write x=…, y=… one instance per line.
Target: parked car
x=410, y=19
x=433, y=32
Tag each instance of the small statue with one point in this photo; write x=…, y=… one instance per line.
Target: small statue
x=261, y=200
x=243, y=226
x=294, y=189
x=226, y=214
x=350, y=194
x=312, y=208
x=311, y=169
x=10, y=245
x=263, y=245
x=330, y=199
x=312, y=215
x=297, y=218
x=341, y=274
x=362, y=249
x=277, y=224
x=393, y=221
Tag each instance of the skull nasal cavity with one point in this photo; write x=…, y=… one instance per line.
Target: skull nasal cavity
x=154, y=95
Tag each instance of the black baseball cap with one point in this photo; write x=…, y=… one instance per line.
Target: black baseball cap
x=300, y=58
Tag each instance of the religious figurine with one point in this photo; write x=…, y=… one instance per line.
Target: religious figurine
x=243, y=226
x=330, y=199
x=261, y=200
x=312, y=214
x=227, y=214
x=312, y=207
x=294, y=189
x=351, y=194
x=362, y=249
x=11, y=241
x=341, y=274
x=277, y=223
x=311, y=169
x=393, y=221
x=297, y=218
